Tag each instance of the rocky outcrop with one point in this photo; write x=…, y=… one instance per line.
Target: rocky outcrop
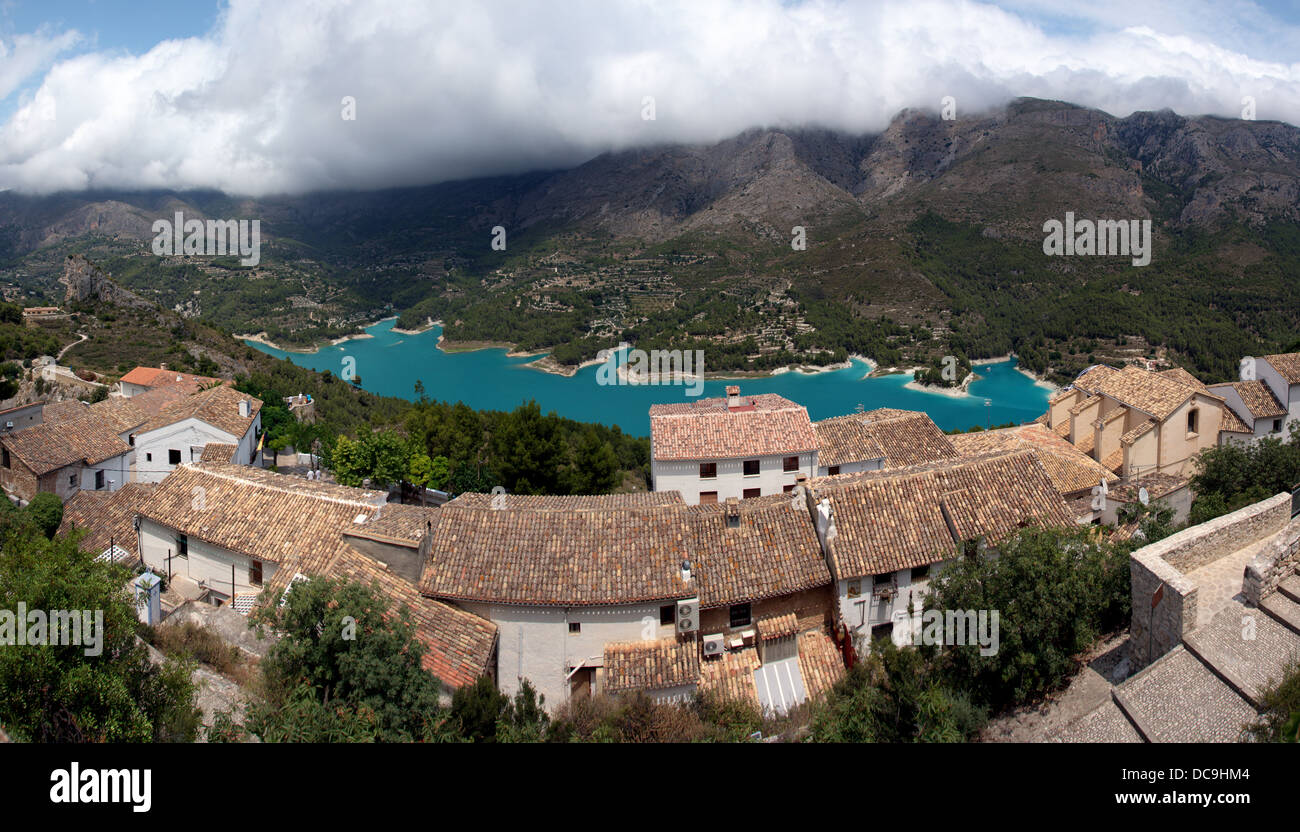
x=87, y=282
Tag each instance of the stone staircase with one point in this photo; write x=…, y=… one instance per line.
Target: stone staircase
x=1207, y=688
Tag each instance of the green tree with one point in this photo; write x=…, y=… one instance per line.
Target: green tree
x=46, y=511
x=347, y=665
x=52, y=693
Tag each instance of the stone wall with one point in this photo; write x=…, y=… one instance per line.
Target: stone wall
x=1161, y=616
x=1270, y=567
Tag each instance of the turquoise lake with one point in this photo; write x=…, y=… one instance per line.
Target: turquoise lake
x=389, y=363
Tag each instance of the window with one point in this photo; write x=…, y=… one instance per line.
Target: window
x=99, y=480
x=1277, y=428
x=788, y=488
x=752, y=492
x=919, y=572
x=790, y=463
x=751, y=467
x=148, y=457
x=708, y=498
x=182, y=546
x=1191, y=420
x=882, y=578
x=72, y=479
x=255, y=573
x=575, y=626
x=740, y=615
x=131, y=440
x=833, y=470
x=668, y=615
x=708, y=470
x=173, y=456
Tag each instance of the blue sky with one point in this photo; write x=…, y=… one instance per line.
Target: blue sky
x=246, y=96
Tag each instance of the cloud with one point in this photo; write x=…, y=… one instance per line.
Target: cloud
x=450, y=90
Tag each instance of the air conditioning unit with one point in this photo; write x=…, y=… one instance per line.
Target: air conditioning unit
x=715, y=645
x=688, y=615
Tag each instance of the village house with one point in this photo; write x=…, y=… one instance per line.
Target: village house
x=1136, y=422
x=239, y=535
x=1256, y=408
x=887, y=533
x=150, y=378
x=876, y=439
x=738, y=446
x=63, y=456
x=180, y=431
x=1282, y=375
x=1077, y=477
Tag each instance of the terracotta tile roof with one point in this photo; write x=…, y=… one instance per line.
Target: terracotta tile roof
x=777, y=626
x=64, y=411
x=1257, y=396
x=651, y=665
x=1232, y=423
x=1092, y=377
x=158, y=377
x=1154, y=394
x=1086, y=441
x=1137, y=431
x=901, y=437
x=1114, y=460
x=771, y=551
x=891, y=520
x=820, y=662
x=52, y=445
x=122, y=414
x=218, y=407
x=458, y=645
x=1062, y=429
x=1183, y=377
x=731, y=676
x=1157, y=486
x=621, y=549
x=1069, y=469
x=397, y=523
x=108, y=516
x=218, y=452
x=1287, y=366
x=707, y=429
x=585, y=556
x=1117, y=413
x=286, y=520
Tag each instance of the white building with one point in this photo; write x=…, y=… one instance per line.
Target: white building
x=1282, y=375
x=239, y=534
x=739, y=446
x=1255, y=404
x=180, y=431
x=886, y=533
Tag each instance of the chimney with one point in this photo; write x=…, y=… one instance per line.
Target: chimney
x=686, y=571
x=733, y=513
x=825, y=522
x=733, y=396
x=162, y=366
x=245, y=407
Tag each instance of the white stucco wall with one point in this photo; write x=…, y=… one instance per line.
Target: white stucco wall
x=187, y=436
x=1286, y=393
x=205, y=563
x=535, y=642
x=684, y=476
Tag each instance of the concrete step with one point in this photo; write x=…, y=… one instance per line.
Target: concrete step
x=1282, y=610
x=1179, y=699
x=1291, y=588
x=1245, y=647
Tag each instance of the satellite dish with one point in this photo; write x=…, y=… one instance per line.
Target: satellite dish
x=1143, y=496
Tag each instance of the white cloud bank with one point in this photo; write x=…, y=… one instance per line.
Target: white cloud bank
x=446, y=89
